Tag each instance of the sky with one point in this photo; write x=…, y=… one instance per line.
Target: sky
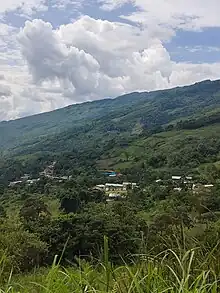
x=54, y=53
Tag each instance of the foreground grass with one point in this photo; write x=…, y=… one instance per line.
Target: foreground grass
x=148, y=275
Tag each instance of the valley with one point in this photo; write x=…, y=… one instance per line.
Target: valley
x=118, y=187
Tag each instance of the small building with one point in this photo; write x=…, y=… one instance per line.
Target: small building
x=32, y=181
x=113, y=175
x=113, y=196
x=100, y=187
x=113, y=186
x=200, y=187
x=176, y=177
x=129, y=185
x=49, y=170
x=14, y=183
x=110, y=173
x=208, y=185
x=116, y=187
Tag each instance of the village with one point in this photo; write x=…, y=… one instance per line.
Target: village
x=48, y=172
x=115, y=191
x=180, y=183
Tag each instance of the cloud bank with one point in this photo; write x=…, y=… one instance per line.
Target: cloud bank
x=43, y=68
x=92, y=59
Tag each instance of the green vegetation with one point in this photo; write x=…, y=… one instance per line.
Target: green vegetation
x=161, y=237
x=171, y=152
x=158, y=239
x=117, y=133
x=168, y=273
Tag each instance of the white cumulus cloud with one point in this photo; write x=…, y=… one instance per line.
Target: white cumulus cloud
x=43, y=68
x=92, y=59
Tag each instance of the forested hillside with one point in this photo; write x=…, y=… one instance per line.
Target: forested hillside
x=131, y=114
x=174, y=129
x=118, y=195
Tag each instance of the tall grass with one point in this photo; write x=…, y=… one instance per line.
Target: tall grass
x=167, y=272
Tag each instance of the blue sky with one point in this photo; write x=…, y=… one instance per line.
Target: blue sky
x=57, y=52
x=190, y=46
x=196, y=47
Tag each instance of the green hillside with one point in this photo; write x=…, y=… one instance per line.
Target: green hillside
x=173, y=130
x=65, y=233
x=130, y=113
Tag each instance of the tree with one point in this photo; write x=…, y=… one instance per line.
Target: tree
x=33, y=209
x=74, y=200
x=23, y=250
x=70, y=204
x=34, y=214
x=82, y=233
x=126, y=156
x=212, y=173
x=2, y=189
x=174, y=217
x=2, y=212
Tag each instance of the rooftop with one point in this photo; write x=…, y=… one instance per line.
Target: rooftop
x=114, y=184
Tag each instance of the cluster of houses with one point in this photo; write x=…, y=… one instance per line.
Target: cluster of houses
x=116, y=187
x=180, y=181
x=24, y=179
x=116, y=191
x=183, y=179
x=47, y=173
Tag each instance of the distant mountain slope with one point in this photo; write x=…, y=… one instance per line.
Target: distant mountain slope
x=174, y=151
x=107, y=121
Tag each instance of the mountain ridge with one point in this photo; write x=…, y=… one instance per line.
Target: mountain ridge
x=108, y=99
x=79, y=114
x=104, y=129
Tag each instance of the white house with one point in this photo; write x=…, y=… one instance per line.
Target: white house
x=127, y=185
x=32, y=181
x=113, y=196
x=100, y=186
x=200, y=187
x=113, y=186
x=12, y=184
x=116, y=186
